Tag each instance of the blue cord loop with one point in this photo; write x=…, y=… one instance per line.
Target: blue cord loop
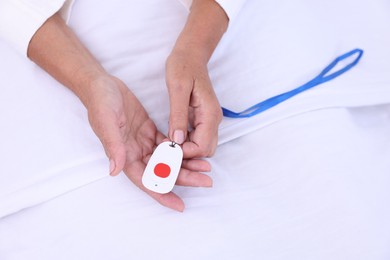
x=321, y=78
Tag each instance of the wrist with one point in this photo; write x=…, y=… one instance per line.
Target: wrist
x=190, y=55
x=86, y=82
x=205, y=26
x=93, y=85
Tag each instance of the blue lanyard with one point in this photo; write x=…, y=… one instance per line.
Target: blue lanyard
x=321, y=78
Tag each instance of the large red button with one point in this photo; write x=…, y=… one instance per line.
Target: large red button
x=162, y=170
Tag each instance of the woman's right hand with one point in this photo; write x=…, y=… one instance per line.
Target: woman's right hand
x=127, y=133
x=129, y=137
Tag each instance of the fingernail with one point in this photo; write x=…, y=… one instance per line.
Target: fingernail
x=178, y=136
x=112, y=166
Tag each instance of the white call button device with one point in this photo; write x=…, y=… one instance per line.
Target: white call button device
x=163, y=168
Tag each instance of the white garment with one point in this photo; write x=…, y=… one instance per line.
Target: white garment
x=20, y=19
x=231, y=7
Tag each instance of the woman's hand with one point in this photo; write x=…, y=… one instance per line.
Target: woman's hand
x=127, y=133
x=192, y=98
x=129, y=138
x=192, y=102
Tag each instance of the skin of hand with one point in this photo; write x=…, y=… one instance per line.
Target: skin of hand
x=192, y=98
x=119, y=120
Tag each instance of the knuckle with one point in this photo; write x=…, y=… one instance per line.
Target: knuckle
x=178, y=85
x=113, y=146
x=215, y=115
x=178, y=116
x=218, y=115
x=213, y=149
x=205, y=151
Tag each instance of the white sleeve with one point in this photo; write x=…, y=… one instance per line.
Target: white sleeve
x=20, y=19
x=231, y=7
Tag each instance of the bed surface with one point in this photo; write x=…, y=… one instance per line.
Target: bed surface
x=276, y=194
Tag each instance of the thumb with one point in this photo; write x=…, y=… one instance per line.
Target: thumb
x=117, y=155
x=179, y=96
x=108, y=131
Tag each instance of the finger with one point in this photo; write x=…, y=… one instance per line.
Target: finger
x=108, y=130
x=117, y=157
x=203, y=141
x=179, y=97
x=160, y=138
x=169, y=200
x=207, y=115
x=193, y=179
x=196, y=165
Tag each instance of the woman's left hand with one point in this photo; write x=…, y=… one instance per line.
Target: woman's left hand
x=192, y=103
x=192, y=99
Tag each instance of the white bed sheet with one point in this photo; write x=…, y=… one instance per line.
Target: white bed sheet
x=49, y=150
x=270, y=48
x=276, y=199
